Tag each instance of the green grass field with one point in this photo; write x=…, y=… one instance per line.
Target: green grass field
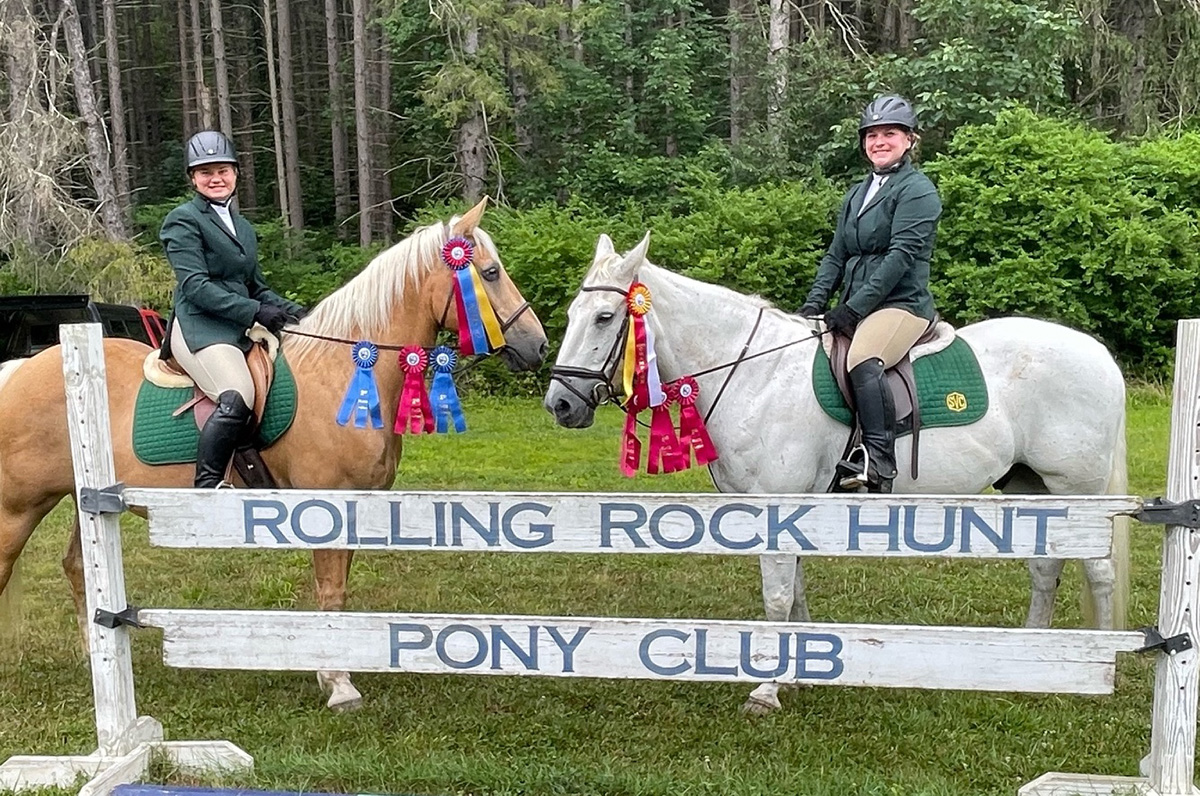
x=507, y=735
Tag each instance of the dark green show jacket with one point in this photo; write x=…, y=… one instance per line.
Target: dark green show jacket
x=219, y=284
x=881, y=258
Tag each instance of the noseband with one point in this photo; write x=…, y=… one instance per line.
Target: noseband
x=604, y=390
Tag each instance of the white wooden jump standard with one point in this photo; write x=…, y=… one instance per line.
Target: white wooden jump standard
x=408, y=638
x=125, y=742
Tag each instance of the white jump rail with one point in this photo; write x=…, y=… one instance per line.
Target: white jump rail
x=1018, y=660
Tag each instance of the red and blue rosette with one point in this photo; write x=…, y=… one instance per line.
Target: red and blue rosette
x=414, y=413
x=478, y=327
x=447, y=408
x=362, y=397
x=692, y=433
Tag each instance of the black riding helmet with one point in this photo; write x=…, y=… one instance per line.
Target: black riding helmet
x=209, y=146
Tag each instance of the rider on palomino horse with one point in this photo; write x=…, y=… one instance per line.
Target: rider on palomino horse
x=880, y=259
x=219, y=294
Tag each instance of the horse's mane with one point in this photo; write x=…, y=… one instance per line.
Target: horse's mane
x=364, y=306
x=603, y=272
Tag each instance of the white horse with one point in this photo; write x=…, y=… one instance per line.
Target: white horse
x=1055, y=422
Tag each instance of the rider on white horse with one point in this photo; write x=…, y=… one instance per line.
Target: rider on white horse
x=880, y=259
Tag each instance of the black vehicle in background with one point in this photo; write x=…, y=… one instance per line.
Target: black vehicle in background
x=29, y=324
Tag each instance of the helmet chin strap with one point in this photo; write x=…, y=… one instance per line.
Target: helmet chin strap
x=895, y=167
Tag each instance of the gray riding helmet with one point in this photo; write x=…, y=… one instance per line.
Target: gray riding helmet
x=209, y=146
x=888, y=109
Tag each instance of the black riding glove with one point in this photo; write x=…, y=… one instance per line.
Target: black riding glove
x=809, y=310
x=272, y=317
x=842, y=320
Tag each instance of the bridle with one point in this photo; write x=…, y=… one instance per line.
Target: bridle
x=605, y=391
x=607, y=372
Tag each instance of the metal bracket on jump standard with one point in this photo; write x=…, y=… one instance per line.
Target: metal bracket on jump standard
x=127, y=618
x=105, y=500
x=1156, y=642
x=1159, y=511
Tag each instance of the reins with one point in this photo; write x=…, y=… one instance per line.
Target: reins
x=504, y=327
x=607, y=371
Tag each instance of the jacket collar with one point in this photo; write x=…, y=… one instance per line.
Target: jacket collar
x=893, y=179
x=211, y=216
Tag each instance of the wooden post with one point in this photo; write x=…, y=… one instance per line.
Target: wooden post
x=1173, y=734
x=91, y=439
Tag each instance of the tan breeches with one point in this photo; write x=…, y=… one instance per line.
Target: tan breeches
x=885, y=334
x=215, y=368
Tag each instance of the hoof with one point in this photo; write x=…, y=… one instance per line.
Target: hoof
x=755, y=706
x=345, y=703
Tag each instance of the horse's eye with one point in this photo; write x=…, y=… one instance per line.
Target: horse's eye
x=603, y=318
x=491, y=273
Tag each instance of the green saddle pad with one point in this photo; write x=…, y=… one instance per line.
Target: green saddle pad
x=950, y=387
x=160, y=438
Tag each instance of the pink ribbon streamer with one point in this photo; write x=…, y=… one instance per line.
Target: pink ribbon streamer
x=693, y=435
x=415, y=412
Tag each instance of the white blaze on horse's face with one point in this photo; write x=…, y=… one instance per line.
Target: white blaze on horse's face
x=596, y=322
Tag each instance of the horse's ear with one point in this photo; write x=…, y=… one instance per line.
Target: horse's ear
x=604, y=248
x=470, y=219
x=637, y=255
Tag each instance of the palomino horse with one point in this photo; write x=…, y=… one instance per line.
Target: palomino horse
x=1055, y=421
x=401, y=298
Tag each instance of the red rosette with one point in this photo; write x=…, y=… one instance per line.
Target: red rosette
x=414, y=413
x=413, y=359
x=637, y=299
x=458, y=253
x=692, y=433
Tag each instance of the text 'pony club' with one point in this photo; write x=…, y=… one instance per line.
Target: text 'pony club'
x=662, y=652
x=897, y=526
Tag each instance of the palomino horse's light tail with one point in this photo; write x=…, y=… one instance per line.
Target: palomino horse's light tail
x=10, y=595
x=1118, y=484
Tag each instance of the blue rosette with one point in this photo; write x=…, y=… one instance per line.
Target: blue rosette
x=443, y=393
x=362, y=397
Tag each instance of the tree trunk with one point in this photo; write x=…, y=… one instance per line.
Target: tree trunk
x=337, y=121
x=203, y=94
x=287, y=100
x=220, y=67
x=187, y=87
x=777, y=69
x=97, y=145
x=116, y=107
x=244, y=133
x=362, y=123
x=276, y=127
x=737, y=80
x=383, y=185
x=472, y=134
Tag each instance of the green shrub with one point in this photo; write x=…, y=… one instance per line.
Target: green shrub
x=1054, y=220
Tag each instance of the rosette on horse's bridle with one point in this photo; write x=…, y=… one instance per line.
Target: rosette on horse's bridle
x=479, y=329
x=362, y=397
x=414, y=413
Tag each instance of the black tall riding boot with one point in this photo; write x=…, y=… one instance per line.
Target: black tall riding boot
x=877, y=419
x=220, y=437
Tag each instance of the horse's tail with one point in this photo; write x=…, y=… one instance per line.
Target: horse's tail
x=10, y=610
x=1118, y=484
